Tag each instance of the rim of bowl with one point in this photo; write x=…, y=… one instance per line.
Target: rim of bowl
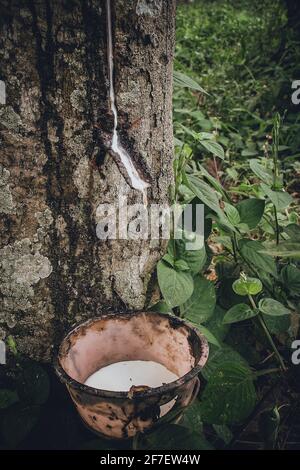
x=78, y=386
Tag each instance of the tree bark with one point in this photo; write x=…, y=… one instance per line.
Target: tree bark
x=55, y=165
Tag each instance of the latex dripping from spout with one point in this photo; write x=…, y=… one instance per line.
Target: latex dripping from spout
x=136, y=181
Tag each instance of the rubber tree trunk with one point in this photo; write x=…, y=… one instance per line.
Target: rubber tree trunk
x=55, y=170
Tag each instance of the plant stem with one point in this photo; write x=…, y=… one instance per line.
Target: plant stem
x=234, y=244
x=273, y=370
x=135, y=442
x=216, y=169
x=268, y=335
x=277, y=229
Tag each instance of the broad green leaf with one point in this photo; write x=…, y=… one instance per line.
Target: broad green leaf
x=195, y=259
x=251, y=211
x=17, y=422
x=169, y=259
x=213, y=181
x=210, y=337
x=229, y=397
x=232, y=214
x=7, y=398
x=223, y=432
x=283, y=250
x=180, y=79
x=219, y=356
x=293, y=231
x=216, y=326
x=176, y=286
x=249, y=285
x=11, y=344
x=204, y=192
x=290, y=276
x=186, y=193
x=280, y=199
x=214, y=148
x=277, y=325
x=176, y=437
x=192, y=417
x=238, y=313
x=200, y=306
x=205, y=136
x=272, y=307
x=261, y=172
x=33, y=385
x=251, y=250
x=249, y=153
x=181, y=265
x=178, y=142
x=161, y=307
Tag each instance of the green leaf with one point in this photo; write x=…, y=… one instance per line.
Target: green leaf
x=229, y=396
x=204, y=192
x=17, y=422
x=219, y=356
x=178, y=142
x=248, y=153
x=283, y=250
x=176, y=286
x=239, y=312
x=251, y=211
x=192, y=417
x=293, y=232
x=277, y=325
x=249, y=285
x=261, y=172
x=161, y=307
x=200, y=306
x=216, y=326
x=280, y=199
x=223, y=432
x=168, y=259
x=290, y=276
x=205, y=136
x=33, y=385
x=232, y=214
x=175, y=437
x=208, y=335
x=195, y=259
x=213, y=181
x=272, y=307
x=181, y=265
x=251, y=251
x=214, y=148
x=180, y=79
x=12, y=345
x=7, y=398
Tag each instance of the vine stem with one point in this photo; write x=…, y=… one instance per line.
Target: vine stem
x=268, y=335
x=259, y=373
x=277, y=230
x=135, y=442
